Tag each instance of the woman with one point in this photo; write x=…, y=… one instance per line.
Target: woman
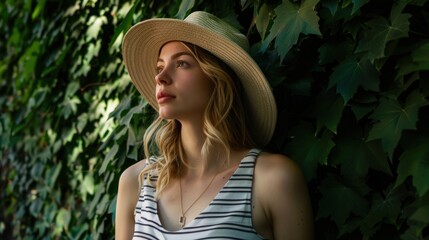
x=207, y=179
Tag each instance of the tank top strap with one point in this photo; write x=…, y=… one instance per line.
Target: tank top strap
x=247, y=164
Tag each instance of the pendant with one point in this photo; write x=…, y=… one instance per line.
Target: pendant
x=182, y=221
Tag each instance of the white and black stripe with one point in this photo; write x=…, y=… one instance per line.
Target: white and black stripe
x=228, y=216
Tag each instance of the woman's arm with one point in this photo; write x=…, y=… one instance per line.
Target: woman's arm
x=128, y=194
x=285, y=197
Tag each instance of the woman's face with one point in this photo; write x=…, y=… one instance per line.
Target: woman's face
x=182, y=88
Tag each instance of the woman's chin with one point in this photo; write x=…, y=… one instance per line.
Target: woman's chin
x=164, y=114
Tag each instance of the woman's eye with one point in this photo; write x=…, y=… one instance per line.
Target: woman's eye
x=158, y=69
x=182, y=64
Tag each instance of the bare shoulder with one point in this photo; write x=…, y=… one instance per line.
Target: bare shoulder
x=127, y=198
x=130, y=175
x=281, y=192
x=278, y=169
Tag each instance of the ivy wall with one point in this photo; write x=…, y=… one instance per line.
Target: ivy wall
x=350, y=78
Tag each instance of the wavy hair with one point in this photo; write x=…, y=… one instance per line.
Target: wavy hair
x=224, y=124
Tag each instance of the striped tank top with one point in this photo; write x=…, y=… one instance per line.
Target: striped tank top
x=228, y=216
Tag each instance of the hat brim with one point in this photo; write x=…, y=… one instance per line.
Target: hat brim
x=140, y=51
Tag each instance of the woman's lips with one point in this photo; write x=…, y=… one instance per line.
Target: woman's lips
x=163, y=97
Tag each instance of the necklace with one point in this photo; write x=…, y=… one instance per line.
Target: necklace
x=182, y=219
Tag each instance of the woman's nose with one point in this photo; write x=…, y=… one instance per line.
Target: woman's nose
x=163, y=77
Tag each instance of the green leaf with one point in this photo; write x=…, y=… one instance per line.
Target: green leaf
x=95, y=24
x=387, y=207
x=116, y=40
x=69, y=106
x=416, y=214
x=109, y=157
x=135, y=110
x=382, y=31
x=103, y=205
x=420, y=57
x=123, y=105
x=365, y=155
x=289, y=23
x=269, y=64
x=336, y=50
x=339, y=201
x=262, y=20
x=417, y=61
x=185, y=6
x=351, y=74
x=415, y=162
x=332, y=5
x=333, y=104
x=28, y=61
x=39, y=9
x=309, y=150
x=392, y=119
x=88, y=184
x=63, y=218
x=357, y=4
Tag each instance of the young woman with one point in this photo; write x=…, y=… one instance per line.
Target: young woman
x=205, y=177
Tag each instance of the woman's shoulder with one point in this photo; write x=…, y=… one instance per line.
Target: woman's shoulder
x=281, y=191
x=131, y=174
x=277, y=170
x=279, y=164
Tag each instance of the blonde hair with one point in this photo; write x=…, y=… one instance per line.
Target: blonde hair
x=224, y=124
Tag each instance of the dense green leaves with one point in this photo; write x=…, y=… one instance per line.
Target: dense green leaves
x=415, y=162
x=345, y=200
x=349, y=77
x=351, y=74
x=291, y=21
x=309, y=149
x=392, y=118
x=381, y=31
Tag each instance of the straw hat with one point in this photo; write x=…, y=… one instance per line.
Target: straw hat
x=143, y=41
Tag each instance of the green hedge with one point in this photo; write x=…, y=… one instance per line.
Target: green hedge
x=350, y=78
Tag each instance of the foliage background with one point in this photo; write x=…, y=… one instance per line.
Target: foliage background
x=350, y=79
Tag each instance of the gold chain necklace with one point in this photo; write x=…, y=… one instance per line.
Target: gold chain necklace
x=182, y=219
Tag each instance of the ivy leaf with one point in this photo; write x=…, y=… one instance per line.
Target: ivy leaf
x=122, y=106
x=103, y=205
x=262, y=20
x=289, y=23
x=383, y=209
x=39, y=9
x=335, y=50
x=94, y=28
x=339, y=201
x=364, y=155
x=393, y=118
x=388, y=207
x=417, y=215
x=418, y=60
x=332, y=5
x=88, y=185
x=382, y=31
x=69, y=106
x=329, y=103
x=351, y=74
x=185, y=6
x=109, y=157
x=269, y=64
x=134, y=110
x=357, y=4
x=116, y=40
x=415, y=162
x=421, y=56
x=63, y=218
x=309, y=150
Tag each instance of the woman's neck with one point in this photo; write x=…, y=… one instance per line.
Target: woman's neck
x=192, y=138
